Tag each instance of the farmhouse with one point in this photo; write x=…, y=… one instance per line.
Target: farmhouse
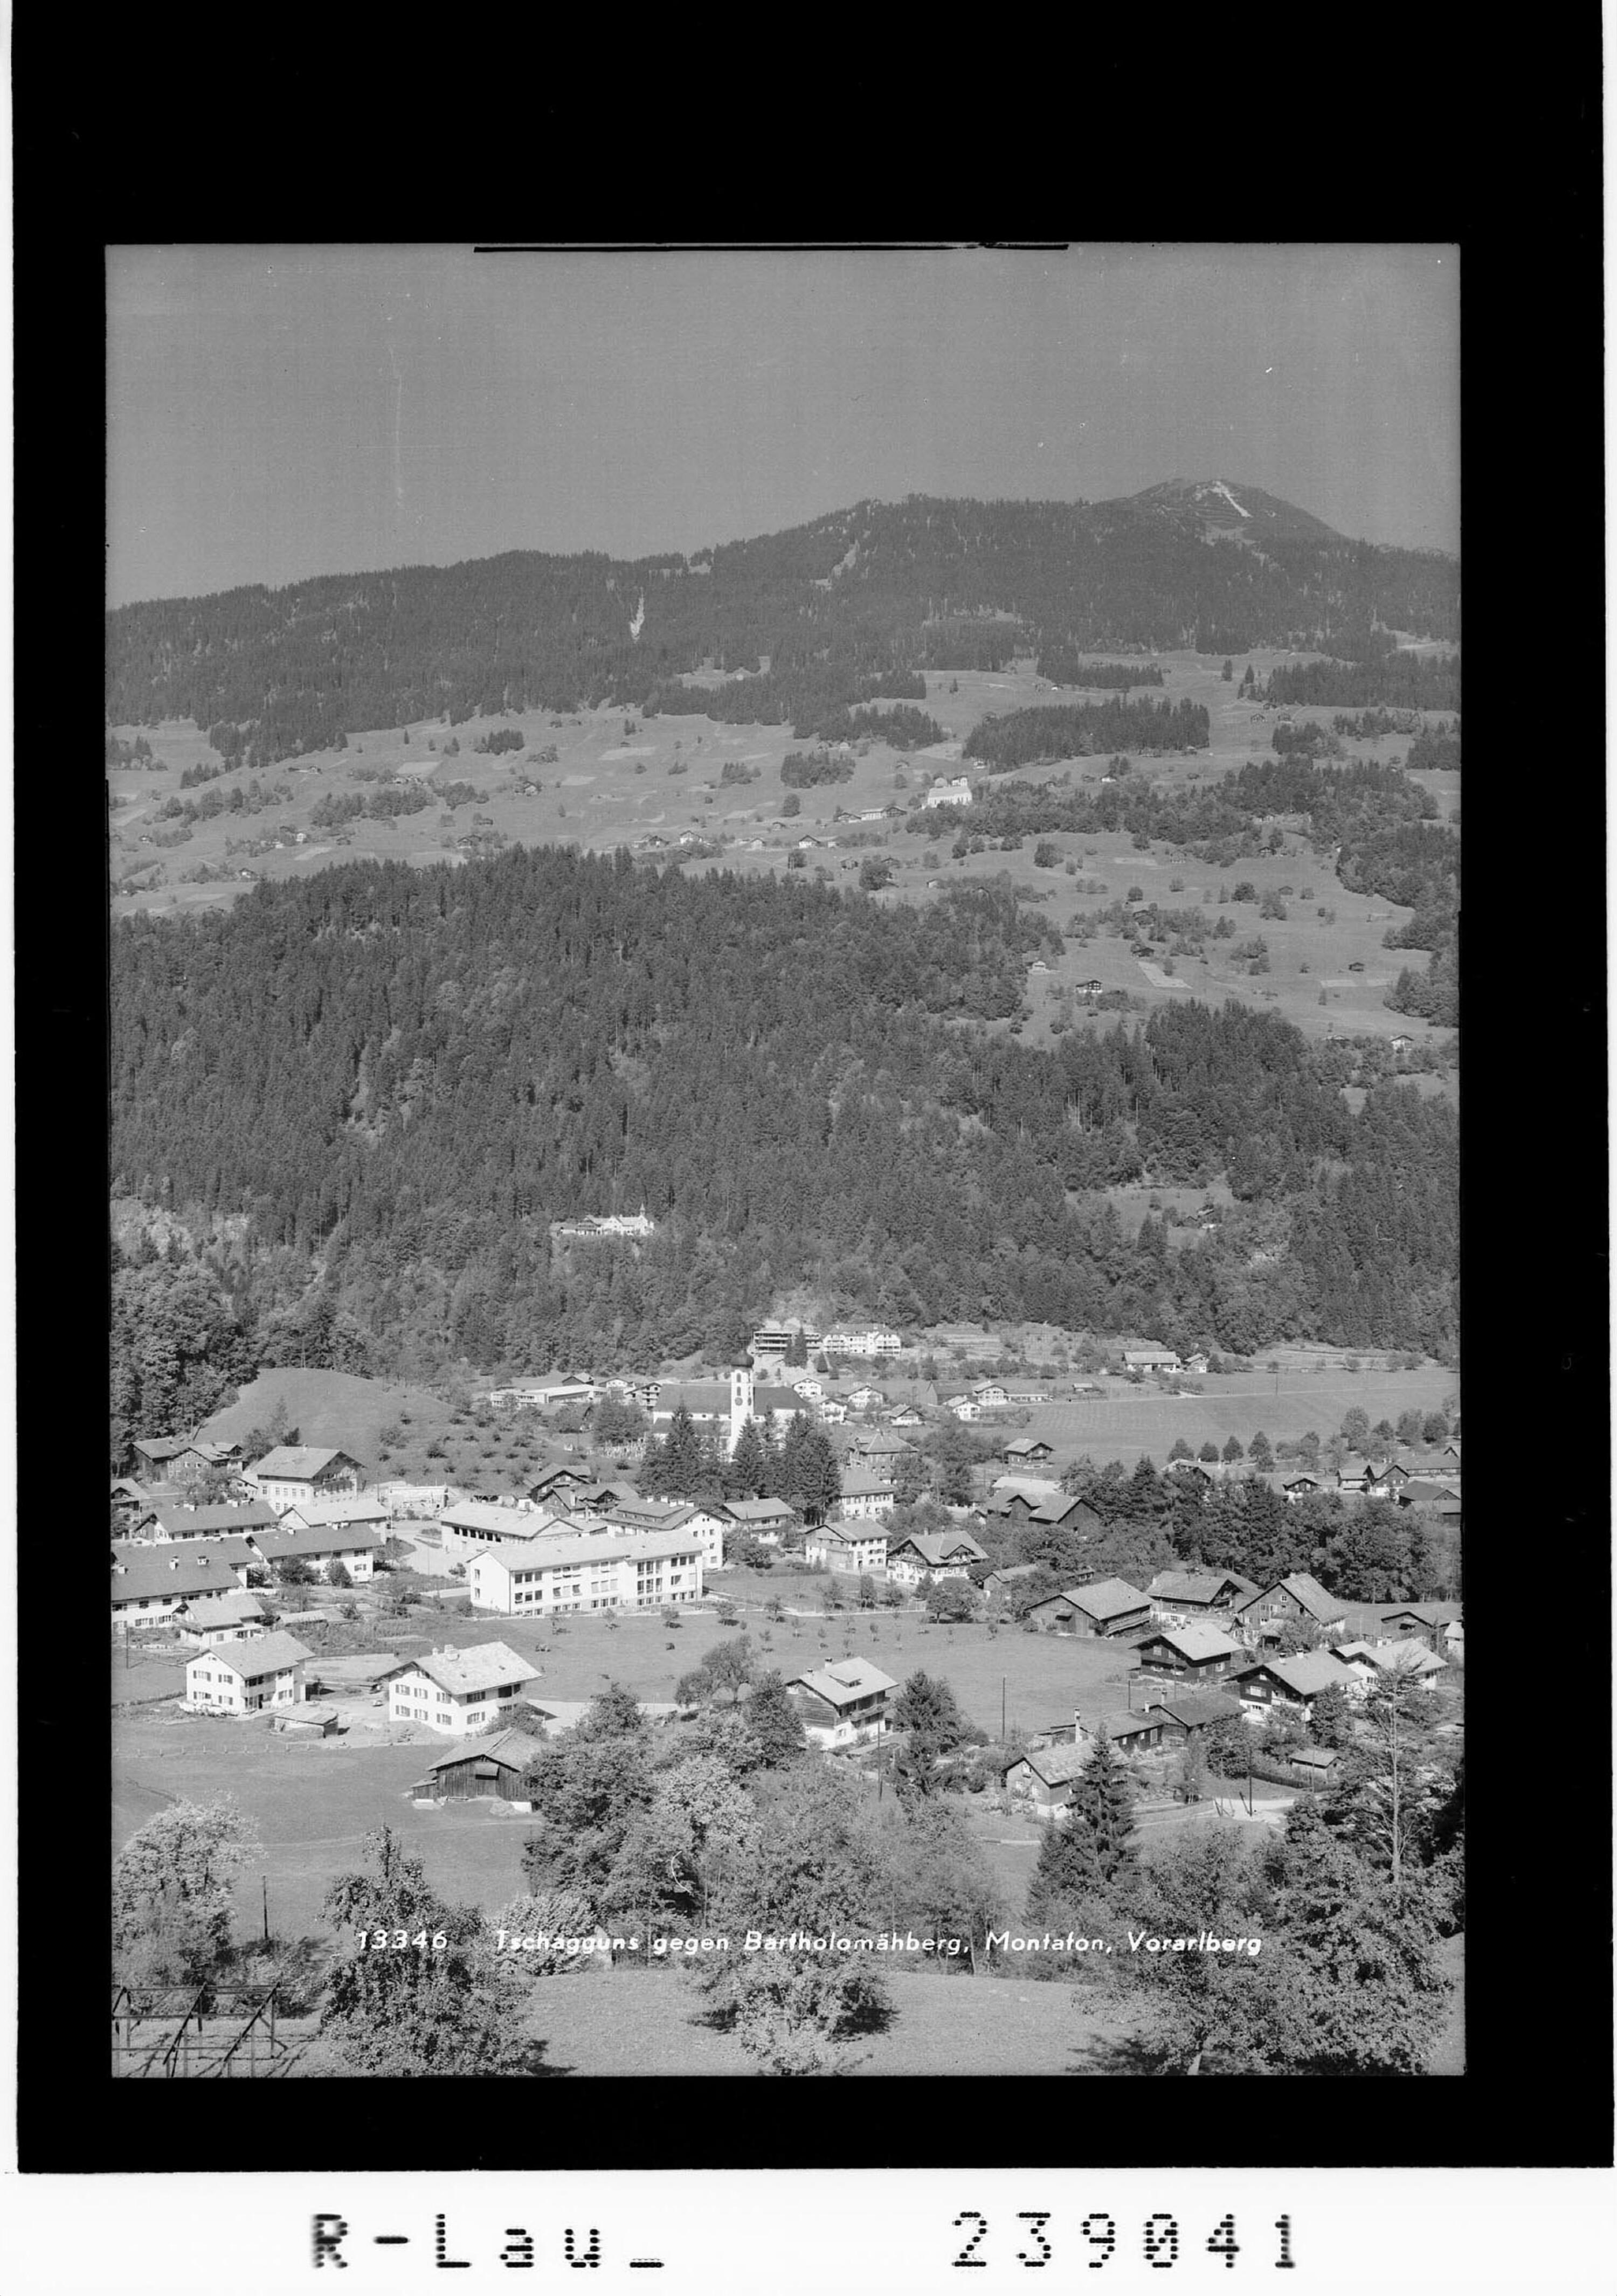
x=458, y=1691
x=843, y=1703
x=933, y=1555
x=294, y=1473
x=323, y=1548
x=183, y=1458
x=178, y=1525
x=845, y=1546
x=1295, y=1682
x=1178, y=1594
x=1439, y=1625
x=245, y=1677
x=1151, y=1359
x=1300, y=1487
x=1191, y=1716
x=770, y=1521
x=1044, y=1776
x=1298, y=1596
x=1133, y=1733
x=603, y=1571
x=1110, y=1606
x=1192, y=1654
x=998, y=1584
x=152, y=1583
x=1028, y=1450
x=1405, y=1660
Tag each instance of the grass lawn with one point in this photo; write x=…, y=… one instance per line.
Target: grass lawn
x=607, y=2021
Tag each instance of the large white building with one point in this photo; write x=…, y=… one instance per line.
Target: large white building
x=861, y=1343
x=558, y=1575
x=458, y=1691
x=956, y=792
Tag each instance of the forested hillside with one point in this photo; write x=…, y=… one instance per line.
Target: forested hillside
x=806, y=623
x=401, y=1077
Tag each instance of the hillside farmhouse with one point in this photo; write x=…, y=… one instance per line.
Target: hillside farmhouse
x=292, y=1474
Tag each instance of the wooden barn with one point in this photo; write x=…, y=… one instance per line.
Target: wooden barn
x=484, y=1766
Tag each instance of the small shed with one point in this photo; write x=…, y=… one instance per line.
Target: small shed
x=306, y=1721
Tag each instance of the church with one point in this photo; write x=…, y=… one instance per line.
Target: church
x=711, y=1403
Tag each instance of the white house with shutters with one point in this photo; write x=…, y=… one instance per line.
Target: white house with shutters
x=458, y=1692
x=245, y=1677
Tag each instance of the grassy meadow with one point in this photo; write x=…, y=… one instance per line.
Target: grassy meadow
x=619, y=779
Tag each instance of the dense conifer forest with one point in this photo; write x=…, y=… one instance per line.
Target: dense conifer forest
x=848, y=608
x=396, y=1078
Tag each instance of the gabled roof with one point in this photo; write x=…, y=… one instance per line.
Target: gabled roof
x=512, y=1749
x=505, y=1521
x=760, y=1510
x=1430, y=1614
x=859, y=1483
x=1027, y=1443
x=230, y=1517
x=226, y=1609
x=936, y=1546
x=1120, y=1723
x=653, y=1514
x=269, y=1654
x=1054, y=1764
x=1306, y=1673
x=290, y=1540
x=1197, y=1585
x=1199, y=1711
x=299, y=1463
x=140, y=1573
x=1354, y=1468
x=465, y=1672
x=1403, y=1655
x=845, y=1680
x=1198, y=1641
x=1307, y=1593
x=1105, y=1598
x=359, y=1508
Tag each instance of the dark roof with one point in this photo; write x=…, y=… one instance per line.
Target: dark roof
x=1196, y=1586
x=1305, y=1674
x=512, y=1749
x=1054, y=1764
x=1194, y=1713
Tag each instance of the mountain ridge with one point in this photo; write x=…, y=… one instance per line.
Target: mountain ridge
x=861, y=602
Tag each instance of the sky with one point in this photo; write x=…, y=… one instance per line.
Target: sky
x=277, y=412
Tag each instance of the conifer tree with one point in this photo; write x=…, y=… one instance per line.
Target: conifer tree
x=774, y=1722
x=682, y=1466
x=746, y=1473
x=1102, y=1804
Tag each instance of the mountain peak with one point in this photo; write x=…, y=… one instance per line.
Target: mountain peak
x=1228, y=506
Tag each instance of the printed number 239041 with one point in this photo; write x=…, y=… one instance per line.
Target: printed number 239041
x=1098, y=2233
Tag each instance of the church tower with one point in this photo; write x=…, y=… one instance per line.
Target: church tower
x=740, y=1402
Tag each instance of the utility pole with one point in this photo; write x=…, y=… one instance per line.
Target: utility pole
x=1002, y=1683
